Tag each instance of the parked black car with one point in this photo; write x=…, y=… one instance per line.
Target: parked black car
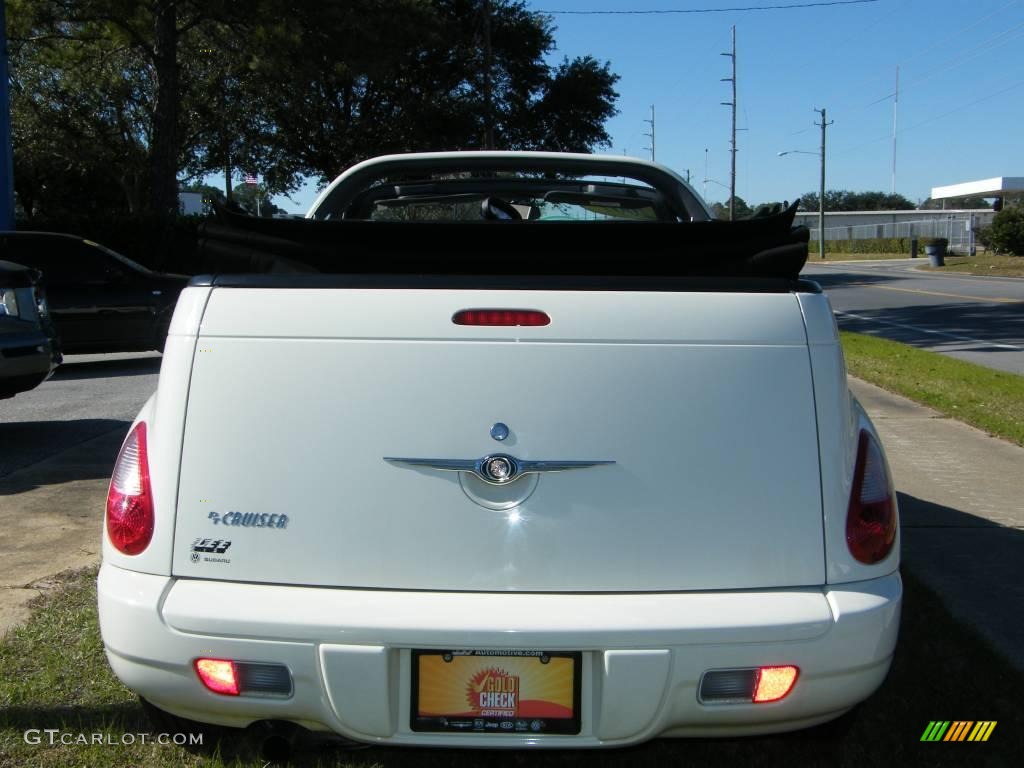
x=29, y=351
x=101, y=301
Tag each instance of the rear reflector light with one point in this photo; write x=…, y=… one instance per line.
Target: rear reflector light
x=530, y=317
x=219, y=675
x=129, y=498
x=743, y=686
x=721, y=686
x=774, y=683
x=871, y=518
x=244, y=678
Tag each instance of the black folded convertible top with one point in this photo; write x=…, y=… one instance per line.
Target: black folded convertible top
x=762, y=247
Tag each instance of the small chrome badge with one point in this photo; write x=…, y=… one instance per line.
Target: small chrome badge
x=498, y=469
x=499, y=431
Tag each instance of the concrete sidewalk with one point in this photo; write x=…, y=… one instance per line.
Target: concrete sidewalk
x=51, y=515
x=961, y=496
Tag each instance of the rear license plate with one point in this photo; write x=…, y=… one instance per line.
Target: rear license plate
x=504, y=692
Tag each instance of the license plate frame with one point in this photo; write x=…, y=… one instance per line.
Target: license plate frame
x=474, y=670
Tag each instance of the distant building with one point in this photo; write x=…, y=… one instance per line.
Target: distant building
x=863, y=225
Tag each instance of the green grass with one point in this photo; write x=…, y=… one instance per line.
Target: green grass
x=983, y=397
x=55, y=676
x=983, y=264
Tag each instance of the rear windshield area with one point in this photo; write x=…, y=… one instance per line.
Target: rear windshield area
x=509, y=197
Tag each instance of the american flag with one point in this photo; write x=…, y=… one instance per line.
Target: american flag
x=250, y=178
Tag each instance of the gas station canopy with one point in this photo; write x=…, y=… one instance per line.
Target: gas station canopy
x=997, y=187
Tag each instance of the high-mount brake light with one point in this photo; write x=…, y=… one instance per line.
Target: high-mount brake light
x=871, y=517
x=130, y=498
x=501, y=317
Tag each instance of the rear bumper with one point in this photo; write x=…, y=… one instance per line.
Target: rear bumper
x=348, y=652
x=26, y=360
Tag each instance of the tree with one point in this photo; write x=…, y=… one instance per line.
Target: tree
x=845, y=200
x=247, y=195
x=1006, y=232
x=416, y=77
x=721, y=211
x=105, y=77
x=144, y=92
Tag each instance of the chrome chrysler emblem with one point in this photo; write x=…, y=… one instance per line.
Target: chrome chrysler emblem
x=497, y=468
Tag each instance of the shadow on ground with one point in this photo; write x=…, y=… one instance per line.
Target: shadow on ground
x=974, y=564
x=26, y=443
x=101, y=369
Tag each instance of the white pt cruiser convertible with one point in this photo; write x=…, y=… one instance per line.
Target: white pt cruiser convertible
x=503, y=450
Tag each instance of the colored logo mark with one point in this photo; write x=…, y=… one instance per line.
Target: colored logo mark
x=958, y=730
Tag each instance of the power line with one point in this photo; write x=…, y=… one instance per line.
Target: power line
x=781, y=7
x=847, y=150
x=959, y=34
x=959, y=58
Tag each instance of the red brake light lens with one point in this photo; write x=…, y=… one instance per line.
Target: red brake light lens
x=219, y=675
x=500, y=317
x=130, y=498
x=774, y=683
x=871, y=518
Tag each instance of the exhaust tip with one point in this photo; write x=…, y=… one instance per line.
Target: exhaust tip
x=277, y=739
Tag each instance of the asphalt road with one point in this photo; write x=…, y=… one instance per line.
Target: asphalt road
x=88, y=396
x=979, y=319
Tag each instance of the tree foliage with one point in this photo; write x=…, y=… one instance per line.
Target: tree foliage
x=115, y=101
x=846, y=200
x=1006, y=232
x=955, y=202
x=721, y=210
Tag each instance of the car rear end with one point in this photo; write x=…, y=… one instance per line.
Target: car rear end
x=502, y=512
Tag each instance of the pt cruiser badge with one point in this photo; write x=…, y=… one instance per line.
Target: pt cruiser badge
x=497, y=468
x=249, y=519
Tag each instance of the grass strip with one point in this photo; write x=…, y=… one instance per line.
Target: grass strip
x=988, y=264
x=983, y=397
x=56, y=676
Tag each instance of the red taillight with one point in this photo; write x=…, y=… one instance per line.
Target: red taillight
x=130, y=499
x=871, y=519
x=774, y=683
x=529, y=317
x=219, y=675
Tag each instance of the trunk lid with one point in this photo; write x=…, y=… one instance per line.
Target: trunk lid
x=703, y=401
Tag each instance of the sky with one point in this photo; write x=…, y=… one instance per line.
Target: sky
x=961, y=95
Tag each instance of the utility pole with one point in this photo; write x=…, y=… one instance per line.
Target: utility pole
x=895, y=104
x=488, y=74
x=732, y=140
x=704, y=193
x=651, y=134
x=821, y=189
x=6, y=155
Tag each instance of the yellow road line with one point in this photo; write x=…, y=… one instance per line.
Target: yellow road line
x=998, y=300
